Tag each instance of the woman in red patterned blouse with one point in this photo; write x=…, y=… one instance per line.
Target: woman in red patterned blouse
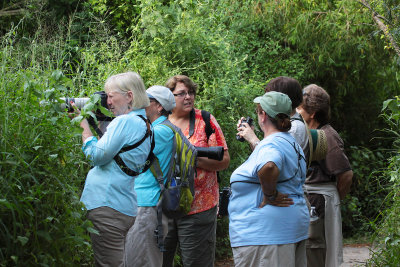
x=196, y=231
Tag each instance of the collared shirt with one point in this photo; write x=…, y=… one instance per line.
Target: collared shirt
x=335, y=162
x=146, y=186
x=106, y=184
x=250, y=225
x=205, y=183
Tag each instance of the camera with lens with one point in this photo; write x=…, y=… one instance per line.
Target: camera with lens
x=80, y=103
x=224, y=201
x=247, y=120
x=212, y=152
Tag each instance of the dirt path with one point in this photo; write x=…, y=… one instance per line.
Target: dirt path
x=353, y=255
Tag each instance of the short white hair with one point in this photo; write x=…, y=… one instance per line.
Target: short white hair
x=129, y=81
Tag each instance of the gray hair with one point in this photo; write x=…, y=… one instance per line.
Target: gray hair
x=129, y=81
x=316, y=99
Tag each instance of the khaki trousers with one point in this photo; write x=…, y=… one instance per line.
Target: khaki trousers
x=108, y=245
x=287, y=255
x=141, y=248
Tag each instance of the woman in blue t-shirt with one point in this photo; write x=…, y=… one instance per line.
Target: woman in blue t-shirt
x=268, y=214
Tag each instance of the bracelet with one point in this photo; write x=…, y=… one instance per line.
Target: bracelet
x=272, y=197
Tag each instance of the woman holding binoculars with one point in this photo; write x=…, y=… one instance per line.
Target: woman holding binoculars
x=268, y=215
x=109, y=194
x=196, y=231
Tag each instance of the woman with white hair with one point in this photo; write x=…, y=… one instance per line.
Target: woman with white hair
x=109, y=194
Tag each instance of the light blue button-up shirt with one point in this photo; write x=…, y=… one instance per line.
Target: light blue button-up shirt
x=146, y=185
x=106, y=184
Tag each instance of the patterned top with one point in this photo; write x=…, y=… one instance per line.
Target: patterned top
x=206, y=185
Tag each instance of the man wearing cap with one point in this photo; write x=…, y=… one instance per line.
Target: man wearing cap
x=141, y=248
x=268, y=214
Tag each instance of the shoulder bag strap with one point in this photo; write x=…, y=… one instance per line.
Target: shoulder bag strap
x=150, y=157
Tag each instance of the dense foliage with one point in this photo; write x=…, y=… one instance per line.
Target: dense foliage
x=387, y=231
x=230, y=48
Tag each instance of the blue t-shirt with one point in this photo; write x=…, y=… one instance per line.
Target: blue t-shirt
x=106, y=184
x=250, y=225
x=146, y=185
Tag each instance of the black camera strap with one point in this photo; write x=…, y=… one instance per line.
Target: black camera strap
x=208, y=129
x=95, y=127
x=150, y=157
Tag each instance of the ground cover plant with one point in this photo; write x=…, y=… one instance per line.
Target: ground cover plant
x=230, y=48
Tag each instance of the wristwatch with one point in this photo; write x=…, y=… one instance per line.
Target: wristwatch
x=272, y=197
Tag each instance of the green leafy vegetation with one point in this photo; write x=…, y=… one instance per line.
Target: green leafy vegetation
x=387, y=230
x=230, y=48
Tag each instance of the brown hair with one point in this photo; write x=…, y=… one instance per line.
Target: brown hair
x=171, y=83
x=317, y=100
x=281, y=122
x=288, y=86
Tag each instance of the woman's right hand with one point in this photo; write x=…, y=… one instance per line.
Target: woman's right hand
x=281, y=200
x=247, y=132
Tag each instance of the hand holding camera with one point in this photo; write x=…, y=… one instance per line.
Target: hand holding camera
x=94, y=109
x=245, y=129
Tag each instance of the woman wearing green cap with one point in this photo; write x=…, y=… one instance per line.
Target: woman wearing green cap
x=268, y=215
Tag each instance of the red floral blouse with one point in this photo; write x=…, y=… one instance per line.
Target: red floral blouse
x=206, y=185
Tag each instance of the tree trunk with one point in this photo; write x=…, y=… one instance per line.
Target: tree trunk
x=382, y=26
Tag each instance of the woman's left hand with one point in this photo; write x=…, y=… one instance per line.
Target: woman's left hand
x=84, y=123
x=281, y=200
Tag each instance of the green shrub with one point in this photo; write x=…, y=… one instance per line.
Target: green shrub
x=387, y=230
x=42, y=170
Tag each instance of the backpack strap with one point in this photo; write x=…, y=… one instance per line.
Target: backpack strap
x=158, y=232
x=150, y=157
x=299, y=158
x=208, y=129
x=192, y=121
x=185, y=157
x=297, y=119
x=206, y=118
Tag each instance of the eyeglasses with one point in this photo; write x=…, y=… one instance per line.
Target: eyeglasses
x=183, y=94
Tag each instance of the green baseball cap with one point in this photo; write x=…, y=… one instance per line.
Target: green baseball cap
x=274, y=103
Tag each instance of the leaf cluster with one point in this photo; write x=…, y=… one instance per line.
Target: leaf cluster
x=42, y=221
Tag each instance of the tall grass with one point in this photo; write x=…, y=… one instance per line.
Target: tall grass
x=42, y=170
